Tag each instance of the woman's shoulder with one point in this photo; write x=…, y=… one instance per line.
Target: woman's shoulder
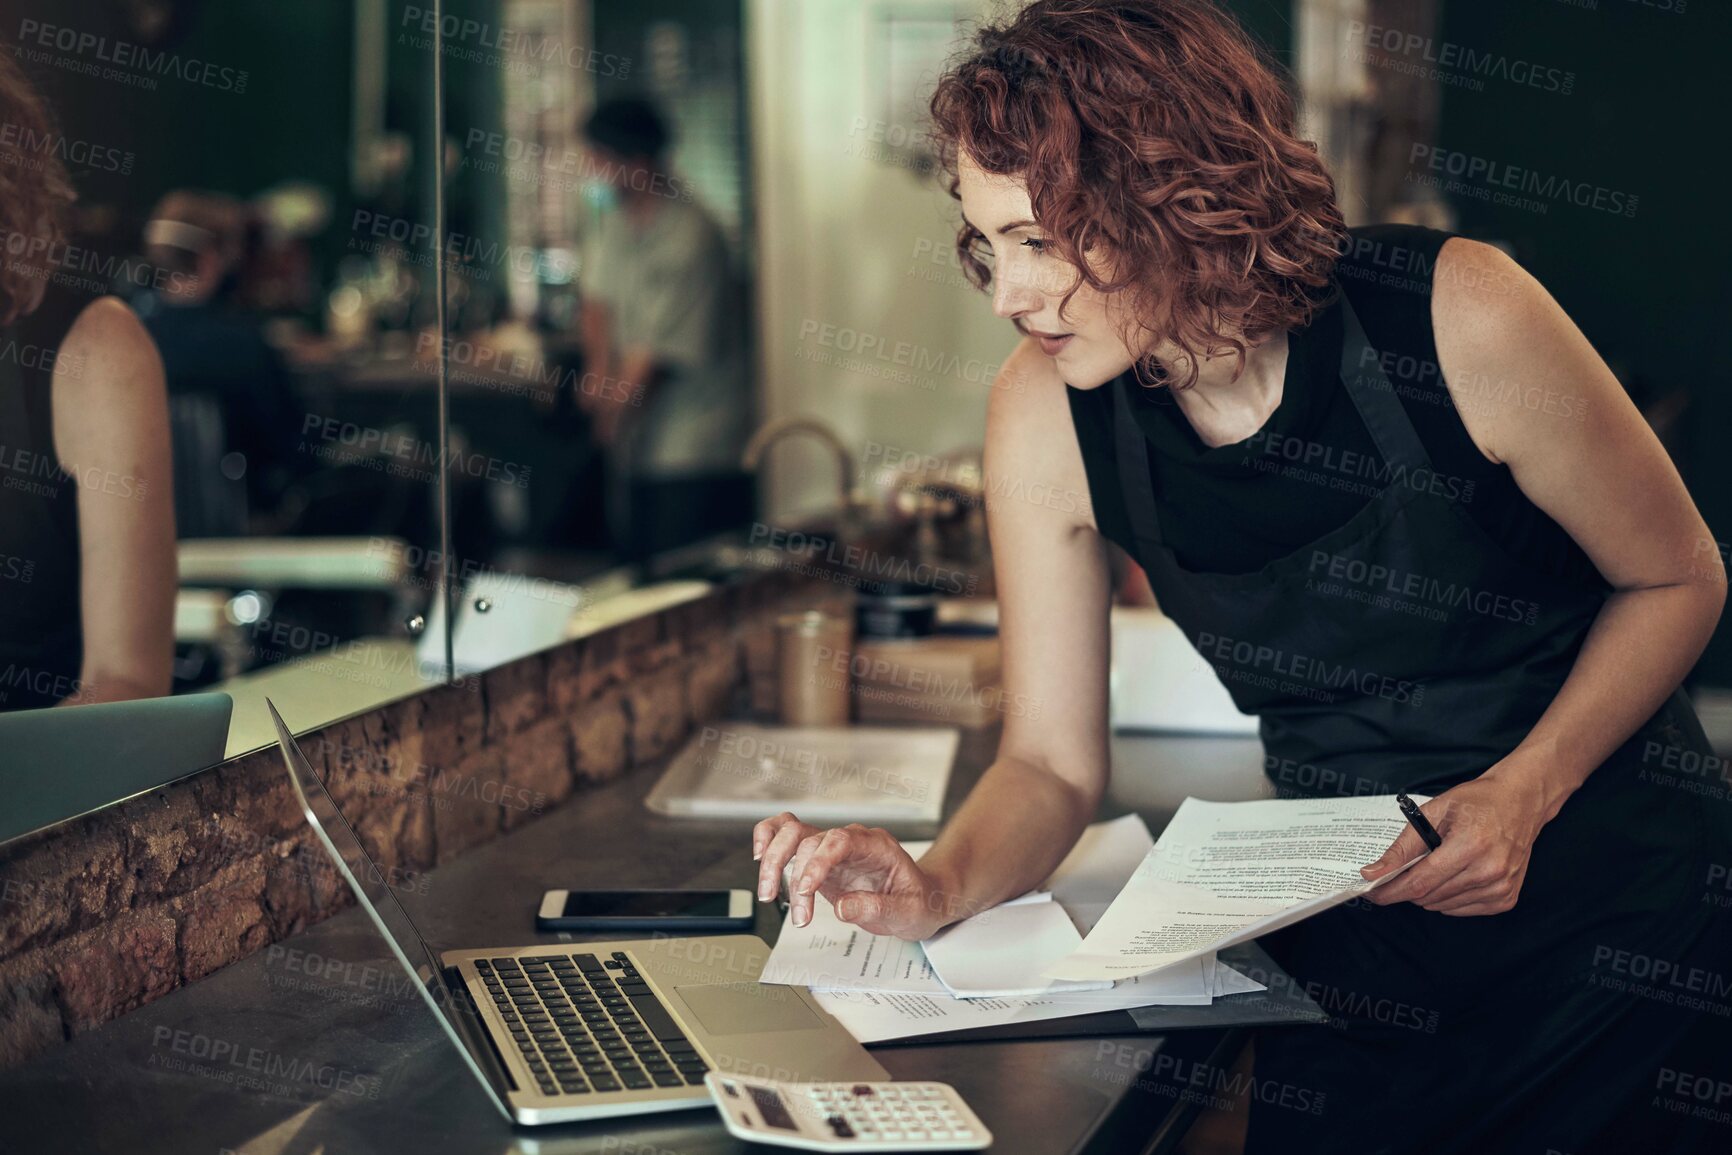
x=1394, y=263
x=107, y=358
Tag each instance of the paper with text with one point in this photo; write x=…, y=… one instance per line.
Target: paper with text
x=829, y=954
x=873, y=1016
x=1226, y=872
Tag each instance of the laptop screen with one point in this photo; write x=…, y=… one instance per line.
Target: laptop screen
x=372, y=893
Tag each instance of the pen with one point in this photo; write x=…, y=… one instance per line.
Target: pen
x=1418, y=821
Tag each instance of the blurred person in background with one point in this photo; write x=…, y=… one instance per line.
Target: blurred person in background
x=217, y=354
x=87, y=562
x=664, y=382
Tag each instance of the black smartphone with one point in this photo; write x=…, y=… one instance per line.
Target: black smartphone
x=645, y=910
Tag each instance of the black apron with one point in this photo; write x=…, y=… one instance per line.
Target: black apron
x=1409, y=651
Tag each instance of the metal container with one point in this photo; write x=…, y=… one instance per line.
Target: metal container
x=891, y=611
x=814, y=683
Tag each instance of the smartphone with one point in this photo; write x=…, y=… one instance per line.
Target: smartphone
x=646, y=910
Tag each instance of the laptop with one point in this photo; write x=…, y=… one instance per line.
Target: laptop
x=63, y=762
x=594, y=1030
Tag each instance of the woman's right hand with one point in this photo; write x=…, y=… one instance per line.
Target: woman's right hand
x=863, y=872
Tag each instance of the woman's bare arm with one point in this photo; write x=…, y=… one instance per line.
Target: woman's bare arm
x=111, y=432
x=1031, y=805
x=1054, y=594
x=1535, y=396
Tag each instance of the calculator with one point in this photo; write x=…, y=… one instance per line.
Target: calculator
x=847, y=1116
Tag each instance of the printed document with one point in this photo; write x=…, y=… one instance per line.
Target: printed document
x=829, y=954
x=1226, y=872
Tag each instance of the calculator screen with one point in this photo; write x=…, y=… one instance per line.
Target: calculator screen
x=770, y=1106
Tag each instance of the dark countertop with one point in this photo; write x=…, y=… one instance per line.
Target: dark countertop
x=344, y=1059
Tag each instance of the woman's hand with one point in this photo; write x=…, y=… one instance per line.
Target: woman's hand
x=863, y=871
x=1488, y=827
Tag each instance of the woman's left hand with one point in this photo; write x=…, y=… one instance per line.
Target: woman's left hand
x=1488, y=827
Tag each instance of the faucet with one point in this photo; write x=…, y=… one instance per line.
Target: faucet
x=773, y=431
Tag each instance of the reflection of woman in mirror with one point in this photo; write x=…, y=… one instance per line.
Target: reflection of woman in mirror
x=1392, y=495
x=87, y=565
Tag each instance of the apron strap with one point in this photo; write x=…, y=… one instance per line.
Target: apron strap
x=1369, y=389
x=1132, y=455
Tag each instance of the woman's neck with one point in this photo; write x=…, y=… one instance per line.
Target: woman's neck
x=1223, y=406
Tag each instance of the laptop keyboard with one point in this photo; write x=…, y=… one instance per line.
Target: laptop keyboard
x=583, y=1024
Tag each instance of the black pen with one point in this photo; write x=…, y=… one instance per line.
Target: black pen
x=1418, y=821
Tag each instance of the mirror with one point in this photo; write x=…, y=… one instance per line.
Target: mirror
x=221, y=441
x=599, y=352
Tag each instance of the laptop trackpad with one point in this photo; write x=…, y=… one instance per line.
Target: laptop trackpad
x=748, y=1008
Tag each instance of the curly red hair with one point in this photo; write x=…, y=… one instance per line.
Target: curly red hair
x=1152, y=133
x=34, y=193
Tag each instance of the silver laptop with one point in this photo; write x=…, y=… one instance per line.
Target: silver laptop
x=597, y=1029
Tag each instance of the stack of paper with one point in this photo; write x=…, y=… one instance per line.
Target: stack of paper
x=989, y=969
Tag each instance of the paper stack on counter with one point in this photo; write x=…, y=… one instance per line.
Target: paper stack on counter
x=988, y=970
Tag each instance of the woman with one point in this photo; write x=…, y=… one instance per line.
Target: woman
x=1394, y=497
x=87, y=564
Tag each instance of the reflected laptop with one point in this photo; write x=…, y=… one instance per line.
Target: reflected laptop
x=598, y=1029
x=62, y=762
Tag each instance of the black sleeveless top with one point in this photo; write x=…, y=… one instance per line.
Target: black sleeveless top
x=41, y=641
x=1233, y=508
